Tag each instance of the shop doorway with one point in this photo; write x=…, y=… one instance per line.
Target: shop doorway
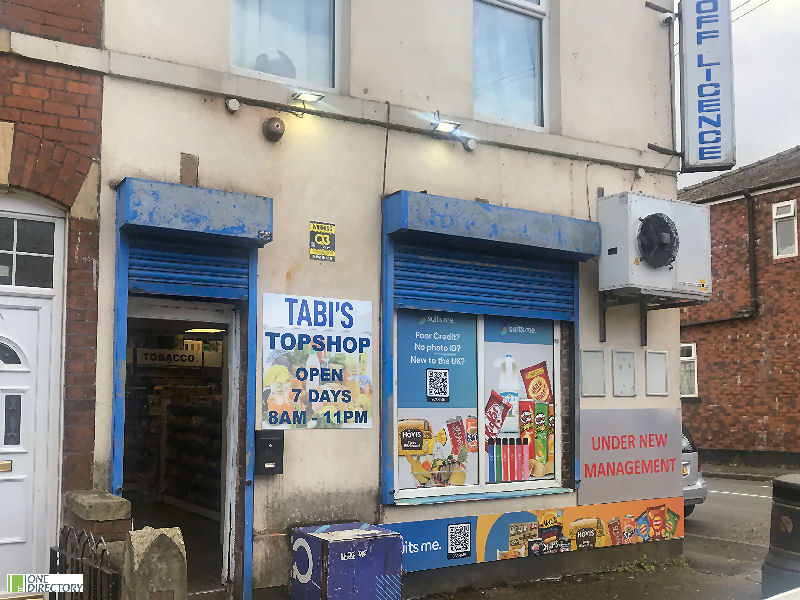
x=181, y=416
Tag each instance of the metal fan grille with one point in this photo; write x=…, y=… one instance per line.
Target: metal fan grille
x=658, y=240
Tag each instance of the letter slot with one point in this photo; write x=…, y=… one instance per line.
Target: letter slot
x=269, y=452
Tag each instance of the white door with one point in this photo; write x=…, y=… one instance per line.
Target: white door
x=31, y=267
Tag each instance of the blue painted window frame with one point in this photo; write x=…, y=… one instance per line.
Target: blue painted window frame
x=406, y=212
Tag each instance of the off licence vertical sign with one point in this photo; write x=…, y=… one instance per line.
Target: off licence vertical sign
x=322, y=241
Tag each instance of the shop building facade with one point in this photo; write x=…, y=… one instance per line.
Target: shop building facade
x=452, y=265
x=739, y=373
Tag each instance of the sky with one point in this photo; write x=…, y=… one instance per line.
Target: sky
x=766, y=76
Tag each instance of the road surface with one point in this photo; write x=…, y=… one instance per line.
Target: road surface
x=728, y=535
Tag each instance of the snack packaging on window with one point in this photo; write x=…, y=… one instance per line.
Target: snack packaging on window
x=495, y=412
x=657, y=515
x=536, y=382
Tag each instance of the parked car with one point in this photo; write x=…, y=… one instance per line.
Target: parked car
x=695, y=488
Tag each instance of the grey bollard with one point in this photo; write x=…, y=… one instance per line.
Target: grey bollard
x=154, y=565
x=781, y=569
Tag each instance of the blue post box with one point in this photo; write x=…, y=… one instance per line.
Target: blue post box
x=355, y=561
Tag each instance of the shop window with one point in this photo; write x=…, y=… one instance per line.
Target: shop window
x=26, y=252
x=478, y=403
x=289, y=39
x=508, y=59
x=784, y=229
x=688, y=370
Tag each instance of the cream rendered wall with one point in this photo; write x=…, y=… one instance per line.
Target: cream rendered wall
x=190, y=32
x=609, y=61
x=414, y=53
x=615, y=73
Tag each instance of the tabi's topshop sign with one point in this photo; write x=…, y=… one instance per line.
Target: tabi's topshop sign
x=707, y=125
x=317, y=363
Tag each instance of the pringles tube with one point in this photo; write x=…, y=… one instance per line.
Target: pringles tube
x=540, y=431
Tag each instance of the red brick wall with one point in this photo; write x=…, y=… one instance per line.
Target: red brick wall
x=80, y=355
x=748, y=370
x=72, y=21
x=56, y=112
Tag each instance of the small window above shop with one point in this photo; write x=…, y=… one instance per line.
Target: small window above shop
x=508, y=52
x=784, y=229
x=291, y=40
x=27, y=249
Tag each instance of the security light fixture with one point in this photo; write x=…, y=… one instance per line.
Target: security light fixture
x=232, y=105
x=309, y=97
x=445, y=126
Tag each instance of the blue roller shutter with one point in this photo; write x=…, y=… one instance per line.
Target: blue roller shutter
x=458, y=281
x=187, y=269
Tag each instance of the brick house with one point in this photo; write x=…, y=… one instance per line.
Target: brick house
x=739, y=352
x=50, y=125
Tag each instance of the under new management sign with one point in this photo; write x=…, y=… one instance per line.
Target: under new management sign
x=707, y=124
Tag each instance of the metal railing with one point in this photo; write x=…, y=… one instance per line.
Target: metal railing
x=79, y=553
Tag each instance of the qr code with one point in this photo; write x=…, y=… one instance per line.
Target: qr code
x=458, y=540
x=438, y=387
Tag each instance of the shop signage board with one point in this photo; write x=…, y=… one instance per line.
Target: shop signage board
x=322, y=241
x=706, y=60
x=630, y=454
x=159, y=357
x=317, y=363
x=441, y=543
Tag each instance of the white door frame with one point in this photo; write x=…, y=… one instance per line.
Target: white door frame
x=47, y=482
x=142, y=307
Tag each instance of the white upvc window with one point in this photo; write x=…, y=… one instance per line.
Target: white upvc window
x=510, y=59
x=784, y=229
x=27, y=252
x=292, y=41
x=689, y=370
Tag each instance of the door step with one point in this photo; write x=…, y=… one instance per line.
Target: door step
x=215, y=594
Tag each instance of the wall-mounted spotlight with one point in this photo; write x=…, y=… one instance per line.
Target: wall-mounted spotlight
x=307, y=97
x=443, y=125
x=232, y=105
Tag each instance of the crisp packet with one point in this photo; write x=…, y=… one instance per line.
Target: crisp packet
x=657, y=516
x=643, y=525
x=672, y=523
x=537, y=383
